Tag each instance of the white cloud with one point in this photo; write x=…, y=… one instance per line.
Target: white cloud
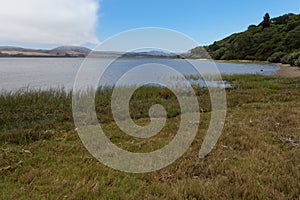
x=61, y=22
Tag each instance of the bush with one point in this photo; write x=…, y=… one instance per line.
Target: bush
x=297, y=62
x=227, y=56
x=284, y=59
x=291, y=58
x=219, y=53
x=276, y=57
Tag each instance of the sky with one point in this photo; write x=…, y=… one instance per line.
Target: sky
x=50, y=23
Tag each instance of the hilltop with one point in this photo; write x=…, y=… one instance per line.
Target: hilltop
x=62, y=51
x=274, y=40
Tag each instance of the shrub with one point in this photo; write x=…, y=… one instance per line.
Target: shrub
x=297, y=62
x=291, y=58
x=276, y=57
x=219, y=53
x=284, y=59
x=227, y=56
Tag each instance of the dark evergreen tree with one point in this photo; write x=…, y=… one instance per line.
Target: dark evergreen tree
x=267, y=21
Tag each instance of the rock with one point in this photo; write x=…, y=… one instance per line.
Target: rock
x=25, y=151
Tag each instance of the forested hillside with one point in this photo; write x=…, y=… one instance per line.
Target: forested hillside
x=274, y=39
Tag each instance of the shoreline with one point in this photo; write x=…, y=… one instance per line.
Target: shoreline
x=285, y=71
x=245, y=62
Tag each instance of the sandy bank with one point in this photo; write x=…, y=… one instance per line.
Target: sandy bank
x=287, y=71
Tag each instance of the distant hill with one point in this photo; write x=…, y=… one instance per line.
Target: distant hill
x=149, y=54
x=63, y=51
x=75, y=51
x=274, y=39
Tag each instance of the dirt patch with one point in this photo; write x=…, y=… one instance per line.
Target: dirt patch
x=287, y=71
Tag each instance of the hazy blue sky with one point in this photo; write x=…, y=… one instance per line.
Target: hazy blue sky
x=49, y=23
x=203, y=20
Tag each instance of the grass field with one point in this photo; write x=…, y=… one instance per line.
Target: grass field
x=257, y=156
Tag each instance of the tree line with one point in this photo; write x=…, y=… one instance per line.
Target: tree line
x=274, y=39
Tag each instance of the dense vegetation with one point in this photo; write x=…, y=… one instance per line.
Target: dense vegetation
x=273, y=40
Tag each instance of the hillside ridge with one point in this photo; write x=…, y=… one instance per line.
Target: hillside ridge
x=275, y=40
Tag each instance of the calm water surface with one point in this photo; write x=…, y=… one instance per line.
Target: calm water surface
x=44, y=73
